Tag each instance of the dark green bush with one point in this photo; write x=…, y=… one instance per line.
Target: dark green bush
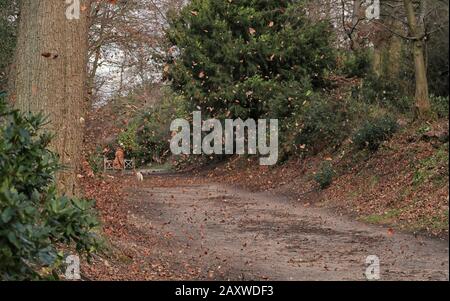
x=128, y=139
x=440, y=105
x=147, y=135
x=384, y=92
x=356, y=63
x=240, y=58
x=374, y=132
x=153, y=140
x=323, y=123
x=325, y=175
x=34, y=220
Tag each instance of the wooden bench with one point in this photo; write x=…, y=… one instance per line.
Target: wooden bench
x=108, y=165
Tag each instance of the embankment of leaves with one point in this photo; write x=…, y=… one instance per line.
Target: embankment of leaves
x=403, y=185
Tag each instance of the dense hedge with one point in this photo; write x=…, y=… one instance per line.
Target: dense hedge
x=34, y=219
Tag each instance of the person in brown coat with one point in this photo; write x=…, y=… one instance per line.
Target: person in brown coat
x=119, y=161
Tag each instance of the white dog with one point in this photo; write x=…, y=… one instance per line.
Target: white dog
x=139, y=176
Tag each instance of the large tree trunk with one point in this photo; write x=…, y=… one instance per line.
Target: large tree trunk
x=417, y=30
x=50, y=77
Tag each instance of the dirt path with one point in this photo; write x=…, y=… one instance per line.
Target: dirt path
x=222, y=233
